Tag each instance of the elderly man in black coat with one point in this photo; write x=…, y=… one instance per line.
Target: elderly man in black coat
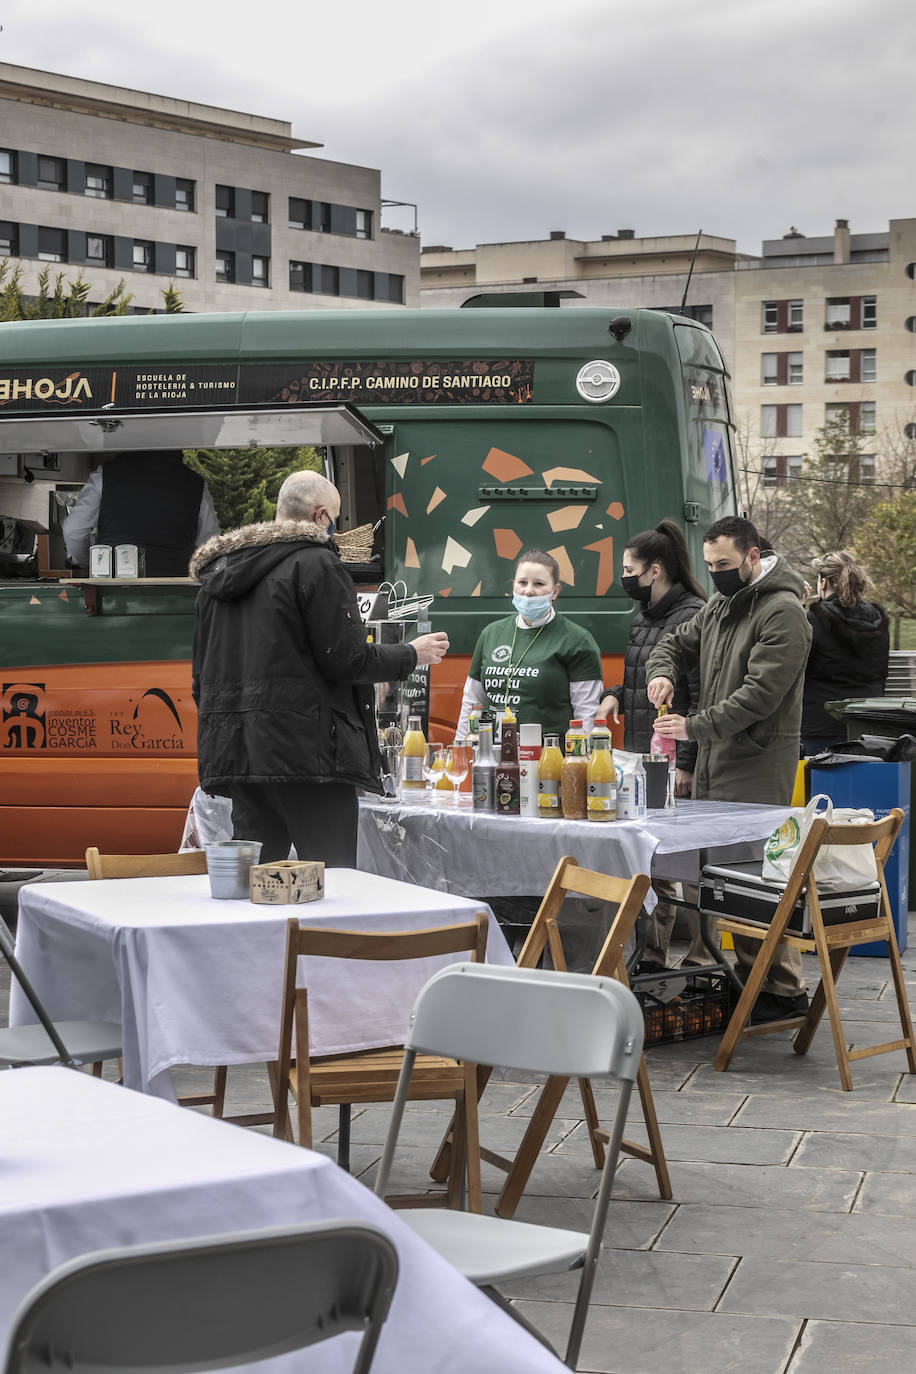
x=281, y=678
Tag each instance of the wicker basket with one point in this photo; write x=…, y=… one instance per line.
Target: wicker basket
x=355, y=545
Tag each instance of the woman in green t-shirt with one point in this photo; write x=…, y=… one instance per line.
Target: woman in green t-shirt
x=544, y=667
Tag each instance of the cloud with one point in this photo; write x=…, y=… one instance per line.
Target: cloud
x=739, y=118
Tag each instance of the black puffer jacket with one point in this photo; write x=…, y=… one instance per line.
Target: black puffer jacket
x=646, y=629
x=281, y=666
x=849, y=657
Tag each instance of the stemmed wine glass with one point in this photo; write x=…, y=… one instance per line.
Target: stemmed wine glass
x=456, y=767
x=434, y=767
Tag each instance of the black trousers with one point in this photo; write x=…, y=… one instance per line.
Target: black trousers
x=320, y=819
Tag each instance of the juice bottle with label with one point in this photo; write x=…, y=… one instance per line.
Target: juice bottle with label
x=550, y=766
x=413, y=755
x=601, y=802
x=574, y=779
x=508, y=780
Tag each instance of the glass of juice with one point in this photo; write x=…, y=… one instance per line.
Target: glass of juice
x=456, y=767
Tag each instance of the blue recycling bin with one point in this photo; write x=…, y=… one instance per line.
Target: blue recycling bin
x=880, y=787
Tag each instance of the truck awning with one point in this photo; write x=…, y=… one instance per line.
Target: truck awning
x=287, y=426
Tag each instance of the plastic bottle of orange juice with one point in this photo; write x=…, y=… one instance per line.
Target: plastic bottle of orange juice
x=550, y=766
x=413, y=754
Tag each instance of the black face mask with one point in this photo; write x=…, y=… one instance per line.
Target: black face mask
x=633, y=589
x=729, y=580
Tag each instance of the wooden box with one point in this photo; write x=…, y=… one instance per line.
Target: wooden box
x=287, y=882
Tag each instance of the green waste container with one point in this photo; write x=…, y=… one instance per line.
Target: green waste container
x=887, y=717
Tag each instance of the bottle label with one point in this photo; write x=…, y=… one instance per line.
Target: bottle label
x=413, y=768
x=548, y=794
x=602, y=796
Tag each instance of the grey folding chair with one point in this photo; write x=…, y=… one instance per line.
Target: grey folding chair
x=572, y=1024
x=209, y=1303
x=71, y=1043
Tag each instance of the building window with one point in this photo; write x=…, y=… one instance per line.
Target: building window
x=836, y=413
x=99, y=250
x=365, y=285
x=869, y=312
x=770, y=472
x=795, y=369
x=324, y=218
x=364, y=224
x=770, y=318
x=50, y=173
x=52, y=245
x=143, y=255
x=260, y=271
x=225, y=202
x=9, y=239
x=796, y=316
x=769, y=416
x=395, y=288
x=185, y=262
x=838, y=315
x=329, y=284
x=300, y=276
x=794, y=422
x=793, y=467
x=701, y=313
x=260, y=207
x=98, y=181
x=142, y=188
x=868, y=417
x=869, y=359
x=769, y=369
x=7, y=166
x=184, y=194
x=300, y=213
x=838, y=367
x=225, y=267
x=866, y=468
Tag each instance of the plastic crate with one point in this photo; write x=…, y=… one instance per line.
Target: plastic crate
x=701, y=1007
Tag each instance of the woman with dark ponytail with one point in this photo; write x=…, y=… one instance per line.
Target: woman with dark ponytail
x=657, y=575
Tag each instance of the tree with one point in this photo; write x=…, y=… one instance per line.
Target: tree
x=244, y=482
x=886, y=544
x=836, y=499
x=66, y=300
x=771, y=504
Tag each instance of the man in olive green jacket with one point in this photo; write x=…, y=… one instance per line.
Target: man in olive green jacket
x=751, y=643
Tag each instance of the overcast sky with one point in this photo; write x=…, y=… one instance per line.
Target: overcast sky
x=740, y=117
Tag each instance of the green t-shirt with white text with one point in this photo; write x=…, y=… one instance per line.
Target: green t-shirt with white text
x=543, y=661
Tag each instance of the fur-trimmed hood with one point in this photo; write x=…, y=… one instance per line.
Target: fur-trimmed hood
x=229, y=565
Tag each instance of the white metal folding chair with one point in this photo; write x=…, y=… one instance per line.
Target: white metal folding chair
x=209, y=1303
x=71, y=1043
x=571, y=1024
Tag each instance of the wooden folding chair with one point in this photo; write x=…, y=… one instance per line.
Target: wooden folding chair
x=170, y=866
x=627, y=895
x=831, y=944
x=372, y=1076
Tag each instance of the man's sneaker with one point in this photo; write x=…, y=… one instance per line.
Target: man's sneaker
x=770, y=1007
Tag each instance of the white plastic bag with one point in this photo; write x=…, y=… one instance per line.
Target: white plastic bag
x=837, y=868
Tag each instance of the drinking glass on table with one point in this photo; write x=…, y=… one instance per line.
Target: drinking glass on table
x=434, y=768
x=457, y=763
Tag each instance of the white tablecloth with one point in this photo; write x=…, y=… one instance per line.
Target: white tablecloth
x=85, y=1165
x=198, y=981
x=458, y=850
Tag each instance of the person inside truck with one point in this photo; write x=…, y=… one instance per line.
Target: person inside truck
x=545, y=668
x=148, y=498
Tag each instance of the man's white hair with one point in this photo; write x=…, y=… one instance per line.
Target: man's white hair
x=301, y=493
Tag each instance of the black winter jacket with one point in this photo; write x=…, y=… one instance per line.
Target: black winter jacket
x=281, y=666
x=646, y=629
x=850, y=646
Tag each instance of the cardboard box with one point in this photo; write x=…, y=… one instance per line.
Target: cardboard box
x=288, y=882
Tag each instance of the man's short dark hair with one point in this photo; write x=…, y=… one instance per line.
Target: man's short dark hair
x=734, y=527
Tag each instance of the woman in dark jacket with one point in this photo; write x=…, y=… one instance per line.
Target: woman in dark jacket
x=657, y=575
x=849, y=648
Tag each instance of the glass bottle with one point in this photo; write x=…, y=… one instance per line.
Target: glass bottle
x=413, y=756
x=573, y=778
x=483, y=770
x=550, y=766
x=508, y=778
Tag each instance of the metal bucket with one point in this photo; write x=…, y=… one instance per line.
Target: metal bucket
x=229, y=865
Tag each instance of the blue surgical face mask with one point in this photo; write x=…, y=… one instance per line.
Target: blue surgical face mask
x=532, y=607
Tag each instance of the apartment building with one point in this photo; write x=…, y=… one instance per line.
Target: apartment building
x=825, y=328
x=618, y=270
x=118, y=183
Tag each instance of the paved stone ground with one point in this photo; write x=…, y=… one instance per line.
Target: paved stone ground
x=789, y=1245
